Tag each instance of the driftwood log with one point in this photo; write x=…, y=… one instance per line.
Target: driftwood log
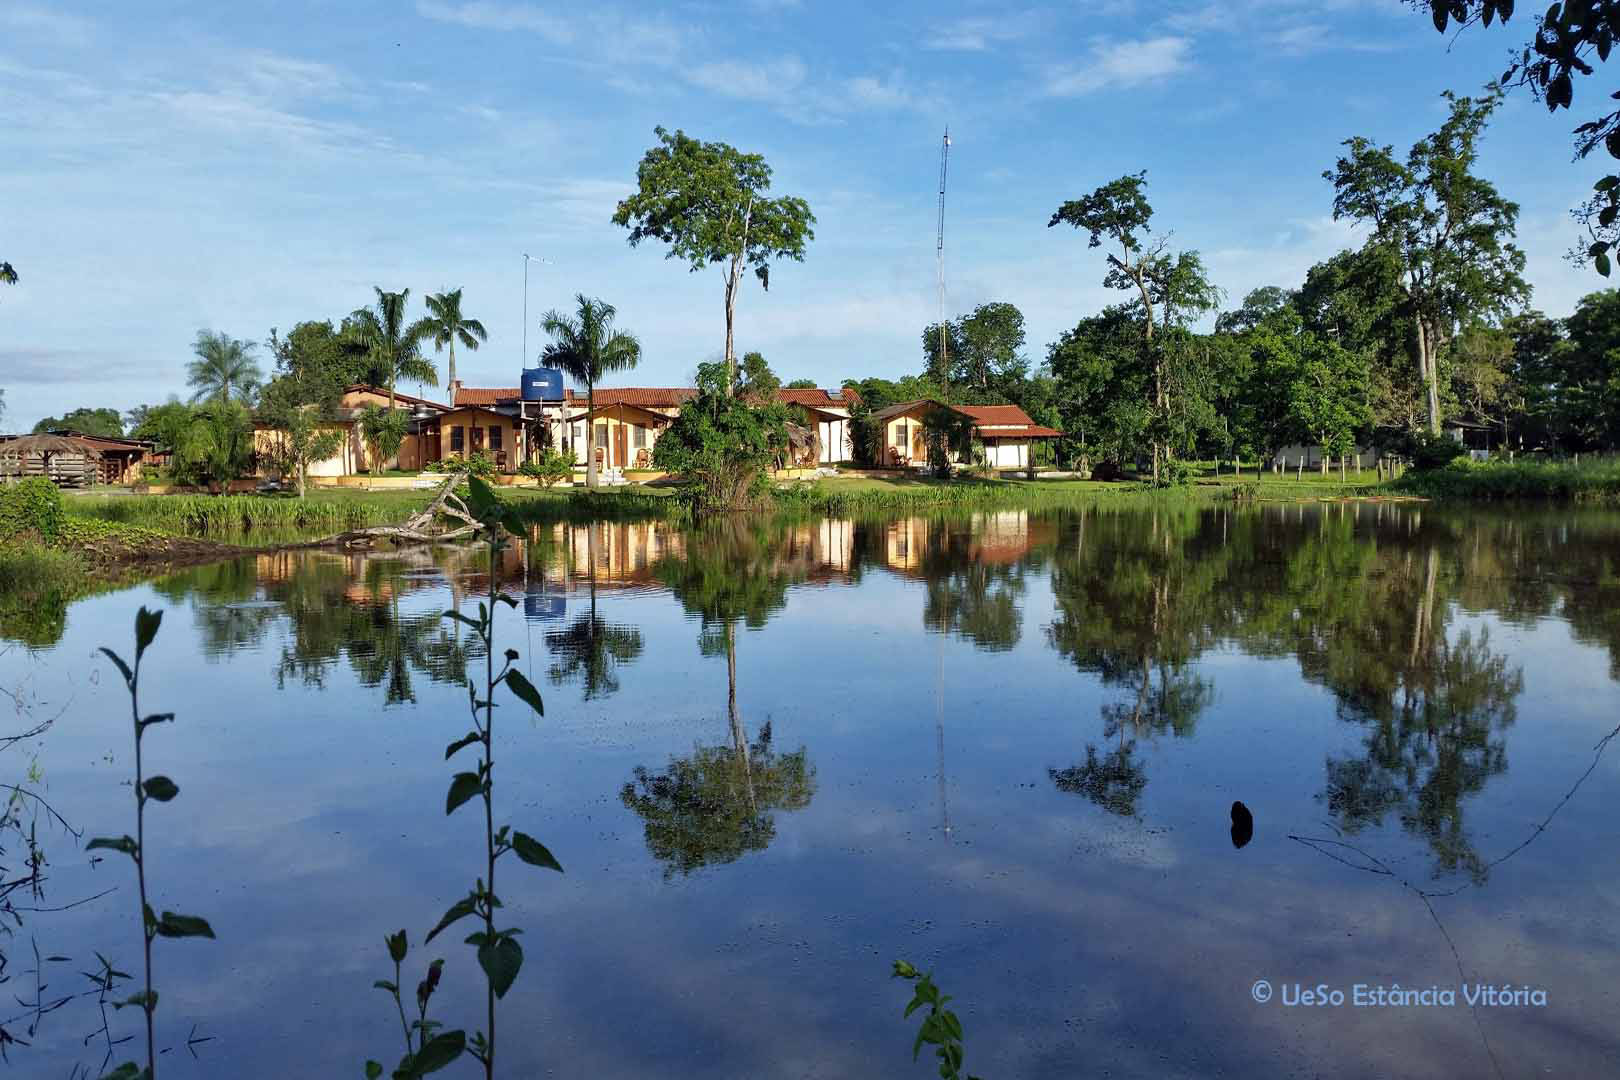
x=423, y=527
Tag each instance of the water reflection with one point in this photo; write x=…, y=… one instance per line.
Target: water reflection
x=1377, y=667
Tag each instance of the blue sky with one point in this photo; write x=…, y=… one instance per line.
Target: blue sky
x=205, y=165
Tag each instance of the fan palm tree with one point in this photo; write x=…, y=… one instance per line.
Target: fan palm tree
x=224, y=368
x=393, y=349
x=445, y=325
x=587, y=347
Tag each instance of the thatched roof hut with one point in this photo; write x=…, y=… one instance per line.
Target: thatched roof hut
x=67, y=462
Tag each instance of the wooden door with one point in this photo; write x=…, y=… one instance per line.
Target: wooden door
x=477, y=439
x=621, y=453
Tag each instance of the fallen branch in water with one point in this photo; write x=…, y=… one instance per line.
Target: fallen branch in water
x=419, y=528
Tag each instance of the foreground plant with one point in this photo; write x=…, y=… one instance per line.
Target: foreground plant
x=162, y=789
x=430, y=1050
x=940, y=1027
x=499, y=954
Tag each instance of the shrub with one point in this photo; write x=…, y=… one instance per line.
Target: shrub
x=1430, y=451
x=553, y=467
x=1174, y=472
x=31, y=505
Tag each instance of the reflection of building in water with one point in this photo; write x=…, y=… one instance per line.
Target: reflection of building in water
x=401, y=572
x=998, y=537
x=822, y=552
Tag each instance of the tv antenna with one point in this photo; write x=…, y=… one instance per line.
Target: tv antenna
x=939, y=253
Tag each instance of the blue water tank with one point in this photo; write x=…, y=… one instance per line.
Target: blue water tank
x=542, y=384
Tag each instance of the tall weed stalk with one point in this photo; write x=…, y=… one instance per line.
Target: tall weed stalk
x=147, y=789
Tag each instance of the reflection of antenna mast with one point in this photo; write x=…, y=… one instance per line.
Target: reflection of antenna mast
x=939, y=731
x=939, y=254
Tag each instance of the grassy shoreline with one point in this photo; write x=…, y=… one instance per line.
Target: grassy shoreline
x=1495, y=481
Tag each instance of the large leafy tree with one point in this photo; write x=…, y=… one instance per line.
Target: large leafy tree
x=299, y=409
x=1102, y=385
x=1449, y=231
x=224, y=369
x=722, y=442
x=213, y=445
x=708, y=201
x=334, y=357
x=985, y=350
x=446, y=325
x=1587, y=374
x=588, y=346
x=1175, y=287
x=1327, y=397
x=86, y=421
x=392, y=346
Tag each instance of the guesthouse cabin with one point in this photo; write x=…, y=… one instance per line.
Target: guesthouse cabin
x=1004, y=432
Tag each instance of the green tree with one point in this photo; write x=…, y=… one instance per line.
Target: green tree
x=384, y=431
x=86, y=421
x=8, y=274
x=318, y=352
x=1102, y=385
x=1178, y=287
x=721, y=443
x=985, y=350
x=1587, y=375
x=588, y=346
x=1258, y=306
x=708, y=202
x=393, y=348
x=213, y=445
x=1327, y=398
x=224, y=369
x=299, y=411
x=447, y=325
x=1448, y=229
x=802, y=384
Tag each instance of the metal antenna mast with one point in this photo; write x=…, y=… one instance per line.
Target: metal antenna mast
x=939, y=253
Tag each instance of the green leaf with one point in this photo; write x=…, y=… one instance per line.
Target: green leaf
x=525, y=690
x=501, y=963
x=373, y=1070
x=534, y=852
x=461, y=744
x=177, y=926
x=385, y=984
x=126, y=844
x=146, y=628
x=127, y=1071
x=440, y=1051
x=460, y=618
x=511, y=654
x=160, y=788
x=510, y=601
x=458, y=910
x=128, y=675
x=397, y=946
x=1602, y=262
x=138, y=1000
x=463, y=786
x=155, y=718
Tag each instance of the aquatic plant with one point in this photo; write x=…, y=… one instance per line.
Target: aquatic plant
x=940, y=1028
x=499, y=954
x=162, y=789
x=432, y=1050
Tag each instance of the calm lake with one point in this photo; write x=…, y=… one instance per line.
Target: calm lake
x=775, y=758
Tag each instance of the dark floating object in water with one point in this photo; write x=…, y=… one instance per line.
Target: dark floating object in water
x=1242, y=825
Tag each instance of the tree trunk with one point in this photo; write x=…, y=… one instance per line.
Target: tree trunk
x=1427, y=367
x=451, y=381
x=590, y=428
x=731, y=318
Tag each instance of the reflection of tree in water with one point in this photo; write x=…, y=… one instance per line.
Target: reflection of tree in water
x=976, y=600
x=590, y=648
x=335, y=614
x=718, y=803
x=1113, y=782
x=1432, y=743
x=1135, y=607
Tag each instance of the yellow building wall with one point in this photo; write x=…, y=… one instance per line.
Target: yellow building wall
x=908, y=444
x=471, y=421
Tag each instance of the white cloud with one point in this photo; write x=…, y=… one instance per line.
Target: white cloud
x=1120, y=65
x=976, y=34
x=771, y=81
x=868, y=92
x=27, y=17
x=483, y=15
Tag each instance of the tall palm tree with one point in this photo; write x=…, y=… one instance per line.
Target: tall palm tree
x=587, y=348
x=446, y=325
x=224, y=368
x=394, y=349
